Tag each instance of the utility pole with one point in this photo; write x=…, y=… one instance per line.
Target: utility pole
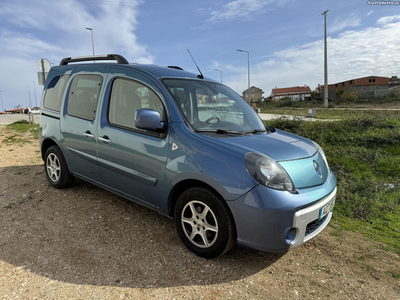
x=325, y=64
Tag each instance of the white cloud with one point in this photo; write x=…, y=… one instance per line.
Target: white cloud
x=342, y=23
x=386, y=20
x=368, y=14
x=26, y=45
x=352, y=54
x=239, y=9
x=57, y=30
x=113, y=26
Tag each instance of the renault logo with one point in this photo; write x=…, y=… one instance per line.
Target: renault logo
x=316, y=167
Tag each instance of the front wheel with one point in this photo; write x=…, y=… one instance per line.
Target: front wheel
x=56, y=168
x=204, y=223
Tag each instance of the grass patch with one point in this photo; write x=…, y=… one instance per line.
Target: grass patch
x=363, y=152
x=21, y=126
x=395, y=274
x=322, y=113
x=35, y=131
x=12, y=140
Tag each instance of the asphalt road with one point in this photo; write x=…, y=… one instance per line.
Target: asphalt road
x=11, y=118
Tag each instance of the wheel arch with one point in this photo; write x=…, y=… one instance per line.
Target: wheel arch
x=46, y=144
x=184, y=185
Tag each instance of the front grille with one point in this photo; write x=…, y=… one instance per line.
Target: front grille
x=311, y=227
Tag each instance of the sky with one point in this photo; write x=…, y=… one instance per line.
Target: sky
x=284, y=39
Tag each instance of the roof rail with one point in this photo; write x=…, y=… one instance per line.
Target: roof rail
x=175, y=67
x=119, y=58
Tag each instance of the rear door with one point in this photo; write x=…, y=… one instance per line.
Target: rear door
x=79, y=126
x=132, y=161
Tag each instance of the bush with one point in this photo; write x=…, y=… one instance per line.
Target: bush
x=20, y=122
x=394, y=96
x=343, y=96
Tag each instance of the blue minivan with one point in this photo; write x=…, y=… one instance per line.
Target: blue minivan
x=188, y=147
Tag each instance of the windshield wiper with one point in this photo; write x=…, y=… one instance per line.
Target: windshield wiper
x=254, y=131
x=219, y=131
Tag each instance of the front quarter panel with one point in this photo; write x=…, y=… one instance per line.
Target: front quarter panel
x=202, y=158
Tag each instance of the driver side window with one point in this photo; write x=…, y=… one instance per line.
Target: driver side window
x=127, y=96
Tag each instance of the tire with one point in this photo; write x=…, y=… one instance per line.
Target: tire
x=56, y=168
x=204, y=223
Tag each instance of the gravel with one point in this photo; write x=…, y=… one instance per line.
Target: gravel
x=86, y=243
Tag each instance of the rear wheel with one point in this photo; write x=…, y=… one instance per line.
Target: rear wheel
x=56, y=168
x=204, y=223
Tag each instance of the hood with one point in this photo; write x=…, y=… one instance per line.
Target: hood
x=280, y=145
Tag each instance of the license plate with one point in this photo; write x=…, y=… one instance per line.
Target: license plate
x=326, y=209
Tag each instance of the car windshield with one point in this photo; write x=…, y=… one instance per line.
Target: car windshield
x=213, y=107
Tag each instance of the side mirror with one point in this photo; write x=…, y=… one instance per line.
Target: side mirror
x=149, y=119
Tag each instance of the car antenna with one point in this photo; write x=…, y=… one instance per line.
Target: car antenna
x=201, y=74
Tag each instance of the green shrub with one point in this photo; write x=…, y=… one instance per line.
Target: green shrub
x=344, y=96
x=24, y=126
x=394, y=96
x=20, y=122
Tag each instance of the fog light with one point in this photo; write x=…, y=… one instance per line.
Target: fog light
x=291, y=236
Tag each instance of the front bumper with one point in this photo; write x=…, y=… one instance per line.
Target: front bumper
x=270, y=220
x=307, y=222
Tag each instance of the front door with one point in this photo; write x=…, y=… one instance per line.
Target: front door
x=132, y=161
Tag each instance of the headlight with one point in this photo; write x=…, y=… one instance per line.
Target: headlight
x=322, y=153
x=268, y=172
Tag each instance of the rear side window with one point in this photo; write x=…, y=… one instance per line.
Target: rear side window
x=127, y=96
x=54, y=92
x=83, y=96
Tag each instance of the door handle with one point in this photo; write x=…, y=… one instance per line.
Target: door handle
x=105, y=139
x=88, y=134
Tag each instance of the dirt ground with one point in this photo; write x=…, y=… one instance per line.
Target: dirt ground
x=86, y=243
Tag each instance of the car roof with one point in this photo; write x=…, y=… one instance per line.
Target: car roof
x=154, y=70
x=165, y=71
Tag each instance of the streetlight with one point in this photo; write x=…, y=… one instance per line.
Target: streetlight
x=220, y=72
x=91, y=30
x=29, y=93
x=248, y=72
x=34, y=91
x=1, y=98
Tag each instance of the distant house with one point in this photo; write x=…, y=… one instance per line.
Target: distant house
x=17, y=110
x=296, y=93
x=256, y=94
x=394, y=80
x=370, y=85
